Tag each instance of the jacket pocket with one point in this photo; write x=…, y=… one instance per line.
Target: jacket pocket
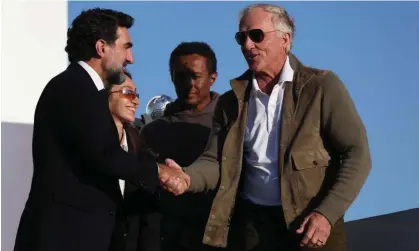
x=310, y=159
x=308, y=173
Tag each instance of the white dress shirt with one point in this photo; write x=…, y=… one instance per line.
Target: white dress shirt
x=261, y=177
x=124, y=145
x=93, y=74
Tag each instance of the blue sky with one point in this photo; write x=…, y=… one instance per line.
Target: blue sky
x=372, y=46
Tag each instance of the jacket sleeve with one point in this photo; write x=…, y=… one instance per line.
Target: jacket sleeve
x=343, y=127
x=81, y=119
x=205, y=171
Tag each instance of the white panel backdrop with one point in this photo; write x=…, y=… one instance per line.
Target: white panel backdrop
x=32, y=52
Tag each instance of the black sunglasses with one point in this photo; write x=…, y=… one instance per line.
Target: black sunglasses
x=256, y=35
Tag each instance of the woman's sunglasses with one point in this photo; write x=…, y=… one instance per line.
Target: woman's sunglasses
x=127, y=94
x=256, y=35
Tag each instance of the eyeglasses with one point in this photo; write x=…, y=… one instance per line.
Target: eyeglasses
x=256, y=35
x=128, y=94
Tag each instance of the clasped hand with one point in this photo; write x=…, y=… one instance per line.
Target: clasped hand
x=172, y=178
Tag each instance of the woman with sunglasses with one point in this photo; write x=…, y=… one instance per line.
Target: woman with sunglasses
x=123, y=103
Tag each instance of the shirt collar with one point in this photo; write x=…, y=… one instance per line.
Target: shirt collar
x=93, y=74
x=287, y=74
x=124, y=143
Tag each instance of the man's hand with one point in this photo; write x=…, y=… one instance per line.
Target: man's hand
x=316, y=228
x=172, y=177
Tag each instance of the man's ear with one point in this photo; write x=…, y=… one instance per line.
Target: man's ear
x=100, y=47
x=287, y=39
x=213, y=77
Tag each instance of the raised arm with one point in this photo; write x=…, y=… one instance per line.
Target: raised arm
x=204, y=173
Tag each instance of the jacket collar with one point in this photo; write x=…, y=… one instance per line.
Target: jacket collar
x=241, y=86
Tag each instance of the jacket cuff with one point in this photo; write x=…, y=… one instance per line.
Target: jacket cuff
x=329, y=213
x=194, y=185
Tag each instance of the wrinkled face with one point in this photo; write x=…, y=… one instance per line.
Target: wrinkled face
x=264, y=56
x=192, y=79
x=123, y=101
x=118, y=55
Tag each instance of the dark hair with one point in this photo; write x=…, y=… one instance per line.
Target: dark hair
x=117, y=81
x=189, y=48
x=90, y=26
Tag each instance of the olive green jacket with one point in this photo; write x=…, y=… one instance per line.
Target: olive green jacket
x=324, y=156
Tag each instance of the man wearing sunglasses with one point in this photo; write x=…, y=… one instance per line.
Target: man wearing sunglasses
x=292, y=148
x=77, y=154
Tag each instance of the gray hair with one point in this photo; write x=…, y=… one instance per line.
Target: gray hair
x=281, y=20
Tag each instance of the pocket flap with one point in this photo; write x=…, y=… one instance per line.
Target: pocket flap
x=310, y=159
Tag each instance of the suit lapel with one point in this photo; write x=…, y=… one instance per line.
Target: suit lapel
x=131, y=149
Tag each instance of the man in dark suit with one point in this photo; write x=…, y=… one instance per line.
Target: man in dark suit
x=75, y=200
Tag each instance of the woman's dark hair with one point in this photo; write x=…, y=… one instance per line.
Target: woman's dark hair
x=90, y=26
x=113, y=82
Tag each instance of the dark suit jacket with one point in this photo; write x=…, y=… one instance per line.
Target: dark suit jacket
x=143, y=224
x=77, y=161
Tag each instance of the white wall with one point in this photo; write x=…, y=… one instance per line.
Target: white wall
x=32, y=52
x=34, y=36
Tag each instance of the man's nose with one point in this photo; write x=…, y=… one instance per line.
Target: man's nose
x=248, y=44
x=130, y=57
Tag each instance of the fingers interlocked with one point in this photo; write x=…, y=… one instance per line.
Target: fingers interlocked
x=172, y=177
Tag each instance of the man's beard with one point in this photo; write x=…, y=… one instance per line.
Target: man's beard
x=115, y=76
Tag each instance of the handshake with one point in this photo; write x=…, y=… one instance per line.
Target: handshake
x=172, y=178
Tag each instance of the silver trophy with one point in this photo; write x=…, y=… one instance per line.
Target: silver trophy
x=156, y=105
